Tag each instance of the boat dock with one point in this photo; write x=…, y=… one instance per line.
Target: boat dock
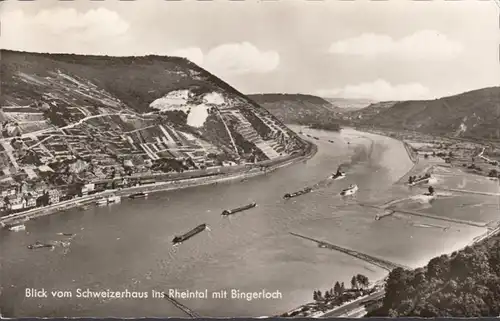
x=385, y=264
x=181, y=306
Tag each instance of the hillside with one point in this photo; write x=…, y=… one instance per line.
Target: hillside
x=299, y=109
x=82, y=118
x=474, y=114
x=464, y=284
x=369, y=111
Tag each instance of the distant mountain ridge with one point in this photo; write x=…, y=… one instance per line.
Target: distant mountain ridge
x=147, y=111
x=473, y=114
x=349, y=103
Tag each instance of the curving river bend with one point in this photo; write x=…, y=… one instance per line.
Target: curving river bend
x=128, y=246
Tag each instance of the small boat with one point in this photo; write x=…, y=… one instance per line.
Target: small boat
x=349, y=191
x=338, y=175
x=238, y=209
x=114, y=199
x=66, y=234
x=39, y=245
x=17, y=228
x=419, y=180
x=139, y=195
x=102, y=201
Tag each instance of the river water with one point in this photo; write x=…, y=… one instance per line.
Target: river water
x=128, y=246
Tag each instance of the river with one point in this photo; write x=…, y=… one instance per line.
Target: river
x=128, y=245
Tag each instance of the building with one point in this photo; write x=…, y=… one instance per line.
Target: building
x=54, y=196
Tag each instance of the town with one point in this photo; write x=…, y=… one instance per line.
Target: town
x=52, y=152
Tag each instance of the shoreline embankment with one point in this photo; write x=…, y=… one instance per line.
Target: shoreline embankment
x=210, y=177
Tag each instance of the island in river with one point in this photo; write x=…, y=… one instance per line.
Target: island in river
x=127, y=246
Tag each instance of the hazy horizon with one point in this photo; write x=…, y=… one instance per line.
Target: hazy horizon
x=380, y=51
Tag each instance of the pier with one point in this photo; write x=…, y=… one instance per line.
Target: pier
x=469, y=192
x=385, y=264
x=441, y=218
x=434, y=217
x=181, y=306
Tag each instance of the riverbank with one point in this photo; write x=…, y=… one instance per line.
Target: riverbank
x=213, y=178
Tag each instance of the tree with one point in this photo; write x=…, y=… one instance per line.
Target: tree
x=336, y=288
x=354, y=283
x=493, y=173
x=438, y=268
x=362, y=281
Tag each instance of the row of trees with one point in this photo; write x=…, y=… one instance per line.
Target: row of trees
x=358, y=282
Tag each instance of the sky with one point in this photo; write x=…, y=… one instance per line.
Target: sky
x=380, y=50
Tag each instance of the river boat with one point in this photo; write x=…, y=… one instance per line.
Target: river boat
x=190, y=234
x=238, y=209
x=66, y=234
x=39, y=245
x=298, y=193
x=102, y=201
x=338, y=175
x=139, y=195
x=17, y=228
x=420, y=180
x=349, y=191
x=114, y=199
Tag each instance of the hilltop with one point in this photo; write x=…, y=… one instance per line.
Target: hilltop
x=71, y=118
x=474, y=114
x=299, y=109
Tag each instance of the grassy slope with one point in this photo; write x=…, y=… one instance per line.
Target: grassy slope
x=474, y=114
x=298, y=108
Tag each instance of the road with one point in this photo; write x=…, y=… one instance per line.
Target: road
x=353, y=309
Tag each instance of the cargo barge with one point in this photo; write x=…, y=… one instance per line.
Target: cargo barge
x=39, y=245
x=301, y=192
x=238, y=209
x=138, y=195
x=190, y=234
